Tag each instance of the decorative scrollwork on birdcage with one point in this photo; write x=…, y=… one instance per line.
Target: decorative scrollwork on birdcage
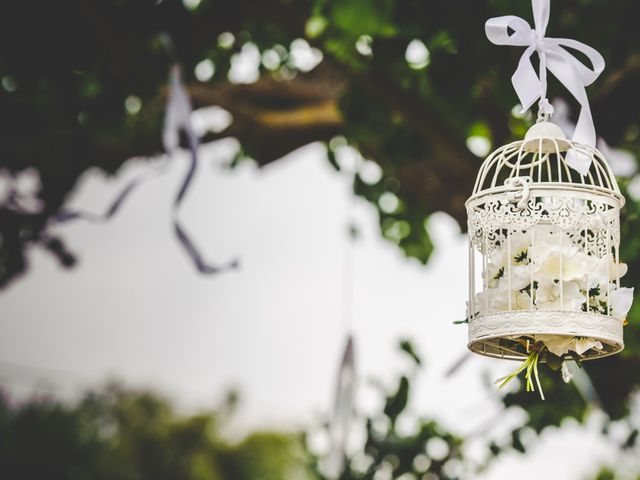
x=543, y=246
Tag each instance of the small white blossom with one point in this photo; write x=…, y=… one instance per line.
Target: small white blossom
x=620, y=301
x=499, y=262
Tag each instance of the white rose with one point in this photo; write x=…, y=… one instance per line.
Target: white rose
x=553, y=262
x=514, y=253
x=520, y=277
x=604, y=270
x=547, y=296
x=497, y=300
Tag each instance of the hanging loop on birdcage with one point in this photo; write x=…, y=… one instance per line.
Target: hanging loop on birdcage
x=554, y=56
x=521, y=196
x=545, y=110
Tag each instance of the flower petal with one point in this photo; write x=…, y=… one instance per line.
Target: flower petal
x=620, y=301
x=584, y=344
x=556, y=344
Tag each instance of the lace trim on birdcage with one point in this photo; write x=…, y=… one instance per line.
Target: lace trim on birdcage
x=512, y=324
x=591, y=225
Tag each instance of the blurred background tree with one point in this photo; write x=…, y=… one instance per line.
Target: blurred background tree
x=120, y=433
x=412, y=85
x=117, y=433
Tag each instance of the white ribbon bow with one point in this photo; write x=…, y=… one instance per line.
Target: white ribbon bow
x=571, y=72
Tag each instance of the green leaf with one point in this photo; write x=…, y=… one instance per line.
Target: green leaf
x=631, y=439
x=516, y=442
x=407, y=347
x=397, y=402
x=331, y=156
x=494, y=449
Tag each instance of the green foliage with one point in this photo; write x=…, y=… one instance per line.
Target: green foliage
x=360, y=17
x=118, y=434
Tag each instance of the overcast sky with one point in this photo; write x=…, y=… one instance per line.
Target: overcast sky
x=135, y=309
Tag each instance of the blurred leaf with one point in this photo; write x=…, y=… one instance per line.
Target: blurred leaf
x=516, y=442
x=407, y=347
x=631, y=440
x=396, y=403
x=360, y=17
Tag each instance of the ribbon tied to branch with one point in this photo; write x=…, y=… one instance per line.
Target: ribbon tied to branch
x=554, y=56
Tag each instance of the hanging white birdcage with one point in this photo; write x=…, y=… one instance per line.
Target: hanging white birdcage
x=543, y=246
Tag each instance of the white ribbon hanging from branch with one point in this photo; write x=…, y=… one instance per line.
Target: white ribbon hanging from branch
x=178, y=112
x=342, y=415
x=178, y=118
x=554, y=56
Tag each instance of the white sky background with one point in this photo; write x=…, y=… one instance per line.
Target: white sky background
x=135, y=309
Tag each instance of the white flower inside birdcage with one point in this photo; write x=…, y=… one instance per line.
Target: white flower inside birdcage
x=544, y=239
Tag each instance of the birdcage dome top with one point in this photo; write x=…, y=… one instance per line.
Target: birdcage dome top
x=540, y=161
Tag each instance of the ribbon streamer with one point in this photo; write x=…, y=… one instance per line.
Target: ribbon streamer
x=554, y=56
x=177, y=117
x=114, y=207
x=334, y=463
x=342, y=412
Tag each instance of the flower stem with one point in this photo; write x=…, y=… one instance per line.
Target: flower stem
x=530, y=367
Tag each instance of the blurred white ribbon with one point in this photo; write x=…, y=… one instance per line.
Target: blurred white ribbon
x=623, y=163
x=178, y=118
x=178, y=112
x=334, y=463
x=553, y=55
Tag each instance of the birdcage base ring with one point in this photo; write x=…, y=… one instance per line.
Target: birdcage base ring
x=496, y=335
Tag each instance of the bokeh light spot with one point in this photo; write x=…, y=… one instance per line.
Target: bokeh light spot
x=9, y=83
x=302, y=56
x=270, y=59
x=478, y=145
x=437, y=448
x=191, y=4
x=204, y=70
x=388, y=202
x=370, y=172
x=363, y=45
x=226, y=40
x=417, y=54
x=133, y=104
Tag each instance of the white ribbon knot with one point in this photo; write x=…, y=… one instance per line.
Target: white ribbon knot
x=554, y=56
